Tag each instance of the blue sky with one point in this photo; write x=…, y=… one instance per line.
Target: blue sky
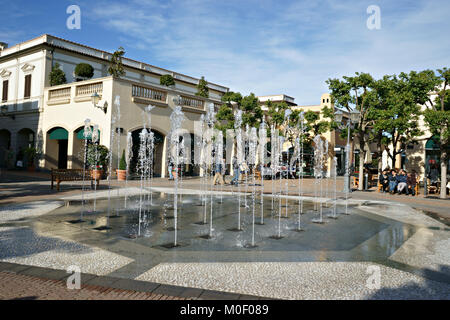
x=265, y=47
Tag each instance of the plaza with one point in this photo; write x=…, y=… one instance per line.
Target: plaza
x=124, y=180
x=404, y=240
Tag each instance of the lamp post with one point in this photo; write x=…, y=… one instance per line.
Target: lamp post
x=95, y=98
x=351, y=121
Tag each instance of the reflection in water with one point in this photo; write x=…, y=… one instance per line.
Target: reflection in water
x=356, y=237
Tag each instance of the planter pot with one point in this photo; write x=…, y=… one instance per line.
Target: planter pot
x=121, y=175
x=96, y=174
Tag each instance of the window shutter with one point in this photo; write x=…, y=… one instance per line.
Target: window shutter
x=27, y=93
x=5, y=91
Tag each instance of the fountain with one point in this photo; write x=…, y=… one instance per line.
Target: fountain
x=318, y=174
x=300, y=169
x=129, y=156
x=86, y=133
x=253, y=140
x=118, y=128
x=287, y=114
x=240, y=160
x=280, y=144
x=141, y=168
x=110, y=160
x=94, y=140
x=262, y=161
x=176, y=118
x=333, y=215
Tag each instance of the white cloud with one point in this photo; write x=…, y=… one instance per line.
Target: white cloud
x=267, y=47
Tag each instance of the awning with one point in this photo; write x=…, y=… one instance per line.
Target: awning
x=80, y=134
x=433, y=143
x=59, y=134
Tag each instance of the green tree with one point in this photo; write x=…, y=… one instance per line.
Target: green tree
x=166, y=80
x=437, y=118
x=202, y=88
x=353, y=92
x=398, y=117
x=57, y=76
x=84, y=71
x=116, y=68
x=252, y=112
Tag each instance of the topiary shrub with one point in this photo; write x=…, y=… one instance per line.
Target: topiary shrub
x=123, y=162
x=167, y=80
x=84, y=71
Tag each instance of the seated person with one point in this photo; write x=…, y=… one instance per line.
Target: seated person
x=392, y=181
x=401, y=182
x=384, y=181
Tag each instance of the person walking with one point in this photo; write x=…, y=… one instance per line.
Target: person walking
x=170, y=168
x=235, y=164
x=411, y=181
x=218, y=175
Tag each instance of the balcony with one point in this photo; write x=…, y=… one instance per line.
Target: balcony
x=147, y=95
x=78, y=91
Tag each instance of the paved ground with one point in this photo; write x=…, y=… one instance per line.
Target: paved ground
x=35, y=283
x=22, y=186
x=23, y=194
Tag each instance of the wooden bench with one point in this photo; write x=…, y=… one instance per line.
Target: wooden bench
x=59, y=175
x=416, y=188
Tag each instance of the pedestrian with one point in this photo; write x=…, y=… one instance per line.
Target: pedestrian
x=218, y=175
x=401, y=182
x=392, y=181
x=170, y=168
x=235, y=164
x=411, y=181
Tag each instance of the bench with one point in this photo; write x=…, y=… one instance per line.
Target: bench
x=416, y=188
x=59, y=175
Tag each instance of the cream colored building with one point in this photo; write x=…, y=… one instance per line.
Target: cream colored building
x=51, y=118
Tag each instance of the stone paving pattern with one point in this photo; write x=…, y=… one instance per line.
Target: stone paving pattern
x=21, y=197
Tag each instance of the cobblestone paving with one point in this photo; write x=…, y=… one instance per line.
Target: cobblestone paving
x=18, y=286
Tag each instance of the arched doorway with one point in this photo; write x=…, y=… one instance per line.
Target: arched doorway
x=25, y=140
x=56, y=148
x=79, y=145
x=158, y=151
x=6, y=155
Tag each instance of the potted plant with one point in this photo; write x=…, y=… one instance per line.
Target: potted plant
x=83, y=71
x=97, y=160
x=122, y=171
x=167, y=80
x=30, y=155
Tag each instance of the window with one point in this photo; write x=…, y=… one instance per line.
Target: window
x=27, y=92
x=5, y=91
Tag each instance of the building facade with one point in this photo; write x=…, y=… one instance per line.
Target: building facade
x=51, y=118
